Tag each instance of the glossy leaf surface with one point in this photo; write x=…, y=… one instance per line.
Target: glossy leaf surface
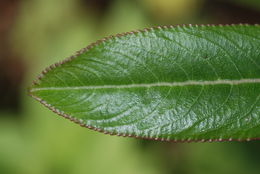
x=182, y=83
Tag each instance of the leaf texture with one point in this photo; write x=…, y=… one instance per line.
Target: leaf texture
x=176, y=83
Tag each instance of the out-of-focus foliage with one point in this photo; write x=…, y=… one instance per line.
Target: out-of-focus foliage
x=33, y=140
x=250, y=3
x=172, y=10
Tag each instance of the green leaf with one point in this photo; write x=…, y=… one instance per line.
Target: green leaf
x=181, y=83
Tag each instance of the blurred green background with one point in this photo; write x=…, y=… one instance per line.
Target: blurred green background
x=33, y=140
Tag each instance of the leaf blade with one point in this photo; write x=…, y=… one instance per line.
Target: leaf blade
x=179, y=83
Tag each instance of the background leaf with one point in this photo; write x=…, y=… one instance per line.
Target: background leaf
x=183, y=83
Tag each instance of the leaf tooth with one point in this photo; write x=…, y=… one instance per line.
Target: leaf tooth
x=87, y=126
x=162, y=139
x=105, y=132
x=81, y=121
x=202, y=140
x=165, y=27
x=131, y=32
x=53, y=66
x=168, y=138
x=44, y=71
x=47, y=69
x=243, y=24
x=159, y=27
x=81, y=51
x=156, y=138
x=99, y=130
x=175, y=139
x=146, y=29
x=189, y=140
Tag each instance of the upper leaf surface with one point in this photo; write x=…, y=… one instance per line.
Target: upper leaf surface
x=176, y=83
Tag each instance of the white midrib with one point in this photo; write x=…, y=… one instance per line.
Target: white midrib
x=165, y=84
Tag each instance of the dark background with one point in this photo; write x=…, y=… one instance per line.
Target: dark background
x=33, y=140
